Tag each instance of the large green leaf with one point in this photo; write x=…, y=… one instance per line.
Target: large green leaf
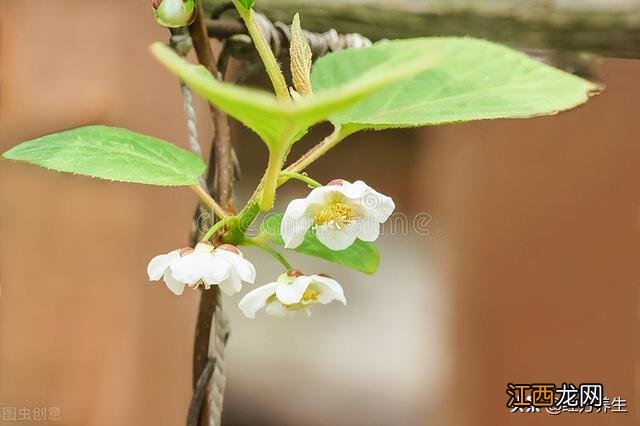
x=361, y=256
x=111, y=153
x=472, y=80
x=278, y=122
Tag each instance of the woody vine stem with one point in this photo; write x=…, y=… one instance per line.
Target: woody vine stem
x=206, y=409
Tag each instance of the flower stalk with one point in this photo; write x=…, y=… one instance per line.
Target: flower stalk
x=208, y=201
x=264, y=50
x=259, y=243
x=312, y=183
x=270, y=180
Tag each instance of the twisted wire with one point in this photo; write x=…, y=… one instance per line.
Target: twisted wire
x=278, y=35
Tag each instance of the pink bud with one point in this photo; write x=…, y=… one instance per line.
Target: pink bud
x=185, y=251
x=294, y=273
x=230, y=248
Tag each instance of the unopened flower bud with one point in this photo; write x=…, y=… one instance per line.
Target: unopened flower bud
x=174, y=13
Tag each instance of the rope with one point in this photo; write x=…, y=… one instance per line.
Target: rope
x=217, y=345
x=195, y=407
x=180, y=41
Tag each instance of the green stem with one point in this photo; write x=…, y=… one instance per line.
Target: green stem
x=301, y=177
x=246, y=217
x=256, y=242
x=264, y=50
x=208, y=201
x=270, y=180
x=338, y=135
x=215, y=228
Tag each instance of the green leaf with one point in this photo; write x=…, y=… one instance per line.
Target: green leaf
x=247, y=4
x=278, y=122
x=472, y=80
x=361, y=256
x=113, y=154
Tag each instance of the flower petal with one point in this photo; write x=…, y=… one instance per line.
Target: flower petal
x=216, y=271
x=330, y=289
x=242, y=266
x=321, y=194
x=290, y=293
x=383, y=208
x=231, y=285
x=191, y=267
x=369, y=228
x=256, y=299
x=296, y=208
x=277, y=309
x=354, y=190
x=203, y=247
x=333, y=238
x=246, y=270
x=159, y=264
x=172, y=284
x=293, y=230
x=377, y=204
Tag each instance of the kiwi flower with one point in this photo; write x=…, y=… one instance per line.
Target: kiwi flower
x=339, y=212
x=203, y=265
x=292, y=292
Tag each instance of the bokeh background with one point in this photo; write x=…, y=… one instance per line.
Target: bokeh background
x=517, y=260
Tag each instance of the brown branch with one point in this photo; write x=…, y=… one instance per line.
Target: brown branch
x=220, y=183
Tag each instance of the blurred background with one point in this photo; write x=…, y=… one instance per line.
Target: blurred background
x=517, y=260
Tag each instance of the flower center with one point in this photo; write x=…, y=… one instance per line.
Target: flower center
x=335, y=212
x=310, y=296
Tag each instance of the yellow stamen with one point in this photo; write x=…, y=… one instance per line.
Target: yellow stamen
x=336, y=212
x=310, y=296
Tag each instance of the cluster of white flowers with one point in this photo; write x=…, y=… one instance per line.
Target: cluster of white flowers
x=339, y=213
x=223, y=266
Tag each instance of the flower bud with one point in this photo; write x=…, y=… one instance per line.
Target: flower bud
x=294, y=273
x=174, y=13
x=229, y=247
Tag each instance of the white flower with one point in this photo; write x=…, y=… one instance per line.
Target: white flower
x=202, y=265
x=240, y=268
x=339, y=212
x=292, y=292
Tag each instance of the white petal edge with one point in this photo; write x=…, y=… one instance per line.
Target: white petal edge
x=333, y=238
x=159, y=264
x=277, y=309
x=191, y=267
x=292, y=292
x=174, y=285
x=256, y=299
x=242, y=266
x=369, y=228
x=330, y=289
x=216, y=271
x=293, y=230
x=354, y=190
